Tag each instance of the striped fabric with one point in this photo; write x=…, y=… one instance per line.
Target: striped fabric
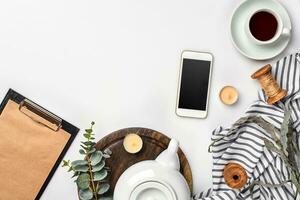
x=246, y=147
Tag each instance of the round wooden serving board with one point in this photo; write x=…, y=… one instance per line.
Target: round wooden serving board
x=153, y=144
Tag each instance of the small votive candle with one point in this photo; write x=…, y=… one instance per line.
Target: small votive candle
x=133, y=143
x=228, y=95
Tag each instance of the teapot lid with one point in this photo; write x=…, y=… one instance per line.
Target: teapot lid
x=153, y=190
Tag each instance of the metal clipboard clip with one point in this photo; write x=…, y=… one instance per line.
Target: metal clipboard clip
x=40, y=115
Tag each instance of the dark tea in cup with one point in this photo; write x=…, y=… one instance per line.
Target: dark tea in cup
x=263, y=25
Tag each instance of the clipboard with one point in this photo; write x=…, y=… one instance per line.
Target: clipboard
x=33, y=141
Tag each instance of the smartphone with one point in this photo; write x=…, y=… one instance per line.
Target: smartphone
x=194, y=84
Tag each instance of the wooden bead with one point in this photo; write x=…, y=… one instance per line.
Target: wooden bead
x=235, y=175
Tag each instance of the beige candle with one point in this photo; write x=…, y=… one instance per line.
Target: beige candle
x=228, y=95
x=132, y=143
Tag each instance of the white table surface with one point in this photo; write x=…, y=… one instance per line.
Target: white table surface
x=117, y=62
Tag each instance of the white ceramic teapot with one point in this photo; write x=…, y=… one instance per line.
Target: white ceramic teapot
x=158, y=179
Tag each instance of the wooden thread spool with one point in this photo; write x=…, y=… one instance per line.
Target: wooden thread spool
x=269, y=85
x=235, y=175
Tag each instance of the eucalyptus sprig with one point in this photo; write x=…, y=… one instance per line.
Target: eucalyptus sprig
x=90, y=173
x=286, y=145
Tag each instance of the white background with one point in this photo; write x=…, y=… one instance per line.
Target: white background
x=116, y=62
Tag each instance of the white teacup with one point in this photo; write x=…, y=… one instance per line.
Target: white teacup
x=280, y=32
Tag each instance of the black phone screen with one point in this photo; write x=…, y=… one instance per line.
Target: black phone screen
x=194, y=84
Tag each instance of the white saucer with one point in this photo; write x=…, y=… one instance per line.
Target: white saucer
x=243, y=43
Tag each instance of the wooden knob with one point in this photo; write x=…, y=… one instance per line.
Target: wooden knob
x=235, y=175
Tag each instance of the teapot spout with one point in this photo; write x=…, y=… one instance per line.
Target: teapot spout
x=173, y=146
x=169, y=157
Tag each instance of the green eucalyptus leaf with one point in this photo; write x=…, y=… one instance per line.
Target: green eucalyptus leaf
x=86, y=135
x=285, y=123
x=296, y=153
x=96, y=157
x=92, y=150
x=271, y=146
x=103, y=188
x=65, y=163
x=99, y=166
x=85, y=143
x=292, y=148
x=99, y=176
x=85, y=194
x=88, y=143
x=268, y=128
x=81, y=168
x=79, y=162
x=89, y=130
x=84, y=147
x=81, y=151
x=284, y=131
x=107, y=151
x=83, y=181
x=106, y=156
x=75, y=174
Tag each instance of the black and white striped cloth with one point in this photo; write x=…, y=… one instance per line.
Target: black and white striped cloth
x=246, y=147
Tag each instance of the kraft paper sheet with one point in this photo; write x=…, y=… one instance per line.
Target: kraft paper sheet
x=28, y=152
